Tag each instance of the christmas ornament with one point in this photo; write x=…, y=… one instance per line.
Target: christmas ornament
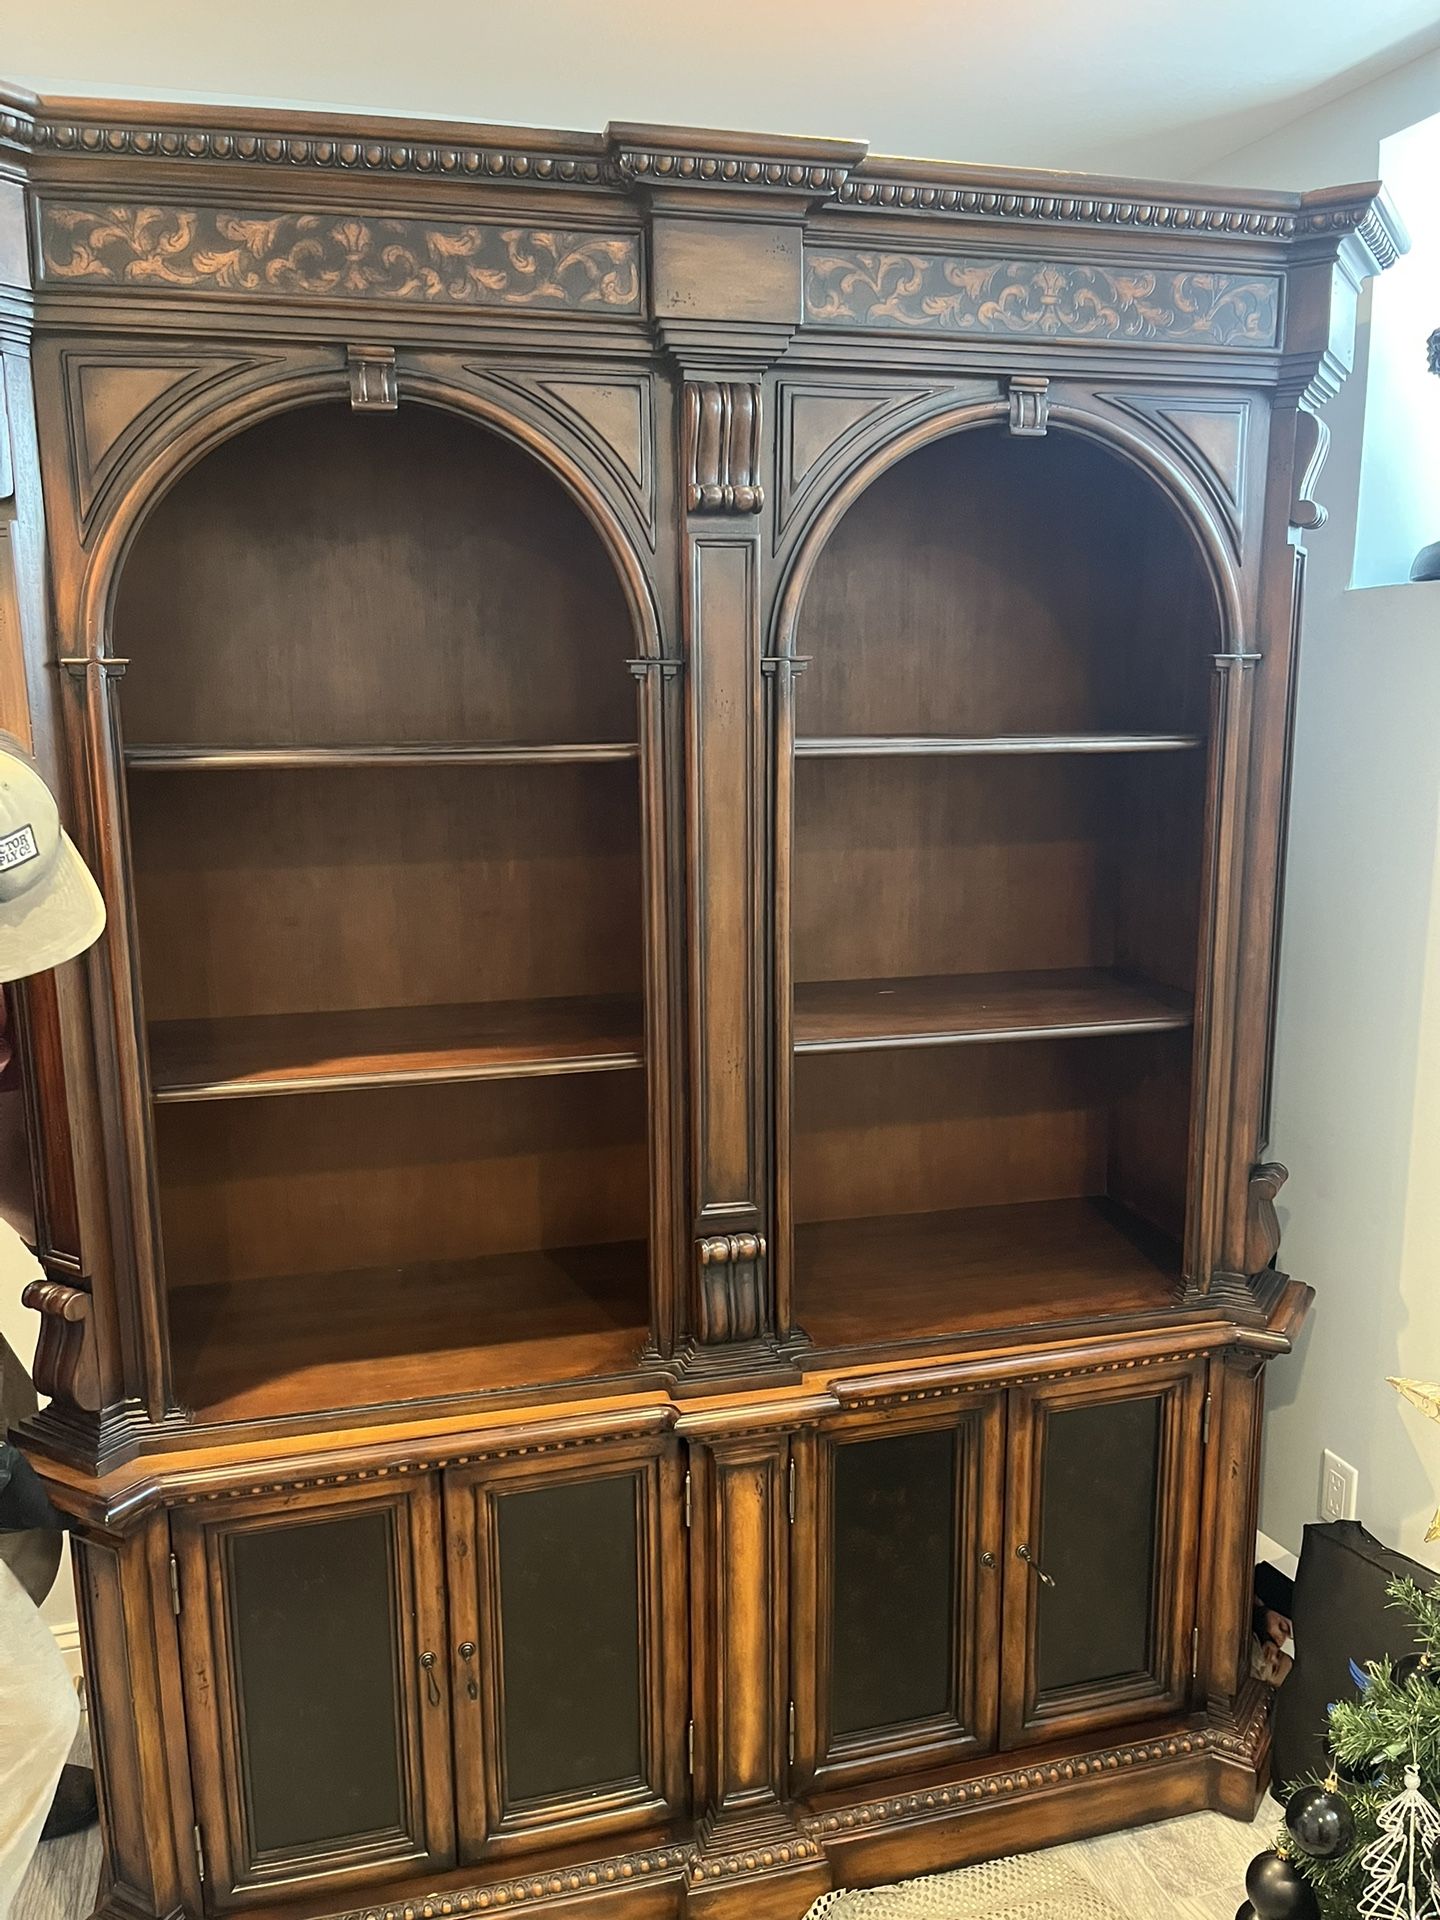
x=1413, y=1663
x=1277, y=1891
x=1424, y=1394
x=1246, y=1912
x=1399, y=1883
x=1319, y=1820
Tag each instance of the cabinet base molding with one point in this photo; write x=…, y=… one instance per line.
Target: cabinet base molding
x=768, y=1866
x=937, y=1829
x=773, y=1869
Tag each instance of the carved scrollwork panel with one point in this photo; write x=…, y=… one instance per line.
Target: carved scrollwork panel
x=339, y=256
x=1041, y=299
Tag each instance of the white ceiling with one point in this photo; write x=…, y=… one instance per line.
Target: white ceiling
x=1118, y=85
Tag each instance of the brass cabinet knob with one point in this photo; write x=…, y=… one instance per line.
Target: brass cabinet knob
x=466, y=1651
x=432, y=1689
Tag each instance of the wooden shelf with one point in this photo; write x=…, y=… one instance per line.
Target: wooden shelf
x=256, y=1349
x=199, y=759
x=852, y=1016
x=390, y=1046
x=930, y=1276
x=910, y=745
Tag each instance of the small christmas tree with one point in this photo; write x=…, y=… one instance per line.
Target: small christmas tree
x=1380, y=1800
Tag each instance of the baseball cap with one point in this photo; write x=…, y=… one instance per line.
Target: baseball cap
x=50, y=908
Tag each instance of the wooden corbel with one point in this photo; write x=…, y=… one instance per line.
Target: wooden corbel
x=1029, y=405
x=374, y=382
x=1312, y=443
x=722, y=447
x=1262, y=1223
x=65, y=1366
x=732, y=1281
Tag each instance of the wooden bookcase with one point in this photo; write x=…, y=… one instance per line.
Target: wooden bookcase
x=659, y=1248
x=384, y=826
x=998, y=811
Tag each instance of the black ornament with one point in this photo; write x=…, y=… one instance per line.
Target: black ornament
x=1414, y=1663
x=1277, y=1892
x=1319, y=1821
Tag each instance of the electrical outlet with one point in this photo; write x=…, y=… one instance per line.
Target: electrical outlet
x=1339, y=1488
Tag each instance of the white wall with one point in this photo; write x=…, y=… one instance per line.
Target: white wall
x=1357, y=1100
x=1400, y=468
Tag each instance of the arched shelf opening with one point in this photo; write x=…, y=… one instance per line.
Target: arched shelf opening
x=996, y=889
x=384, y=817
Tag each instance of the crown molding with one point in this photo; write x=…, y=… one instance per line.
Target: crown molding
x=690, y=167
x=1363, y=216
x=17, y=120
x=652, y=158
x=322, y=143
x=1020, y=196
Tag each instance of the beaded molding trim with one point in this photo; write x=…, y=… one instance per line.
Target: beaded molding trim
x=625, y=1869
x=159, y=141
x=995, y=1786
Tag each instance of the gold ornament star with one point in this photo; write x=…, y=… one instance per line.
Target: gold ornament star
x=1424, y=1394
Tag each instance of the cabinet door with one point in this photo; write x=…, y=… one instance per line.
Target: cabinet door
x=1101, y=1551
x=567, y=1588
x=898, y=1539
x=312, y=1643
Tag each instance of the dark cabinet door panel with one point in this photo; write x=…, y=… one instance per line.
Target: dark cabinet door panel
x=569, y=1628
x=567, y=1597
x=313, y=1636
x=893, y=1555
x=1101, y=1551
x=1099, y=1535
x=897, y=1539
x=319, y=1728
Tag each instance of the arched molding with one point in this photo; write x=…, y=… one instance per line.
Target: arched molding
x=1129, y=443
x=168, y=454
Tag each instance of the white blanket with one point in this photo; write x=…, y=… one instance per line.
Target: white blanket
x=39, y=1714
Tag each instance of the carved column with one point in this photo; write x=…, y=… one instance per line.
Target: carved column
x=752, y=1858
x=726, y=297
x=1338, y=243
x=721, y=429
x=1216, y=1011
x=1236, y=1706
x=127, y=1629
x=75, y=1364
